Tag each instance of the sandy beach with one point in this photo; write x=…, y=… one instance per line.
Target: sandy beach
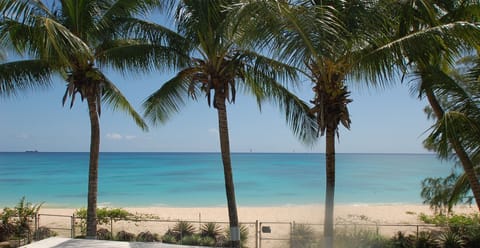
x=397, y=217
x=377, y=213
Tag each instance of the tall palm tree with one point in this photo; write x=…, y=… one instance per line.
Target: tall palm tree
x=219, y=68
x=456, y=32
x=78, y=40
x=327, y=41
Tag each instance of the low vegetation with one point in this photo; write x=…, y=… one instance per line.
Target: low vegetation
x=16, y=222
x=448, y=231
x=105, y=216
x=209, y=234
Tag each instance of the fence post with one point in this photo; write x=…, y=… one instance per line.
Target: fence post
x=256, y=234
x=291, y=232
x=111, y=226
x=260, y=235
x=72, y=226
x=37, y=218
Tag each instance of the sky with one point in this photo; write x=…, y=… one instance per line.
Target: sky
x=389, y=120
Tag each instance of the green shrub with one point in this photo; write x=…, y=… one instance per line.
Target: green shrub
x=303, y=236
x=400, y=240
x=147, y=237
x=450, y=239
x=43, y=233
x=208, y=241
x=20, y=217
x=169, y=239
x=194, y=239
x=104, y=234
x=362, y=238
x=212, y=230
x=125, y=236
x=471, y=236
x=452, y=220
x=104, y=216
x=424, y=240
x=183, y=229
x=6, y=231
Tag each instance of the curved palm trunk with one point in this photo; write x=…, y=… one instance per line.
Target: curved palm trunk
x=227, y=169
x=93, y=168
x=467, y=163
x=328, y=230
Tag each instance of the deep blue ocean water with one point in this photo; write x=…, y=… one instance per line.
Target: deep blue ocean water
x=196, y=179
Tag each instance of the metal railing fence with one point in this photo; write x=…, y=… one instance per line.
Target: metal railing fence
x=260, y=234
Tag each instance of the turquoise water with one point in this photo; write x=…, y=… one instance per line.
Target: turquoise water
x=196, y=179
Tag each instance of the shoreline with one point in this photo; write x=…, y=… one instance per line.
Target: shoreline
x=389, y=213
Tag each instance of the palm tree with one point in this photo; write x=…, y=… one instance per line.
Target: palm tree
x=77, y=40
x=457, y=90
x=456, y=33
x=218, y=68
x=328, y=44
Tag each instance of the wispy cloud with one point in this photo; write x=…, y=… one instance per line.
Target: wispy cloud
x=117, y=136
x=114, y=136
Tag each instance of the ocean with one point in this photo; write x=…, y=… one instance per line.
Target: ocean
x=196, y=179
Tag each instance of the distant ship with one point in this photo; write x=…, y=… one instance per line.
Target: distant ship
x=31, y=151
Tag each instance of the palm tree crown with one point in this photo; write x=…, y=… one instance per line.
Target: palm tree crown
x=219, y=67
x=78, y=40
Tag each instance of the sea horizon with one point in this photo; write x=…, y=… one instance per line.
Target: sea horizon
x=195, y=179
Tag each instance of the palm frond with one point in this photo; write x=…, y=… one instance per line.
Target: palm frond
x=63, y=44
x=309, y=34
x=18, y=36
x=454, y=126
x=30, y=27
x=23, y=10
x=129, y=8
x=169, y=99
x=24, y=75
x=265, y=87
x=275, y=69
x=116, y=100
x=136, y=56
x=152, y=32
x=451, y=38
x=460, y=189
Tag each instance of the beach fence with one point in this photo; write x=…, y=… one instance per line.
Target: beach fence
x=261, y=234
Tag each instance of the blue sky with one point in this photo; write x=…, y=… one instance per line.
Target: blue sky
x=390, y=120
x=383, y=121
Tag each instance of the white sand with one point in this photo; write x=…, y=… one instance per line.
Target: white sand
x=381, y=213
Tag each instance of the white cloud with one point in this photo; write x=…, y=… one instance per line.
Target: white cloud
x=117, y=136
x=114, y=136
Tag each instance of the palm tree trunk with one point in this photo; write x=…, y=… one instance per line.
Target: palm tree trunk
x=467, y=163
x=93, y=168
x=328, y=231
x=227, y=169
